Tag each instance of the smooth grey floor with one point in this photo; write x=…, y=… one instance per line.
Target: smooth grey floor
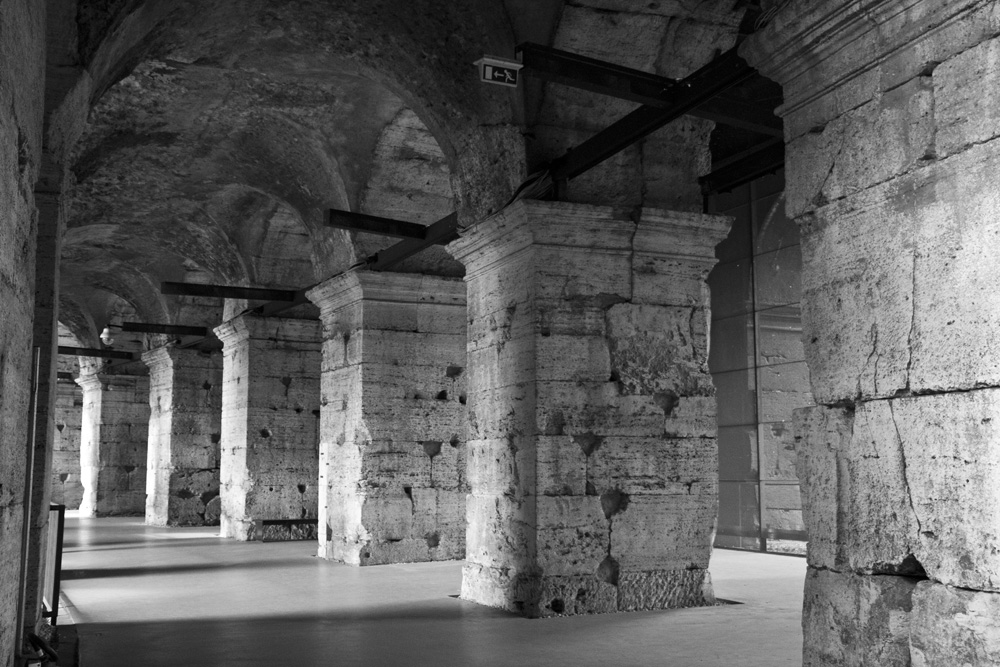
x=185, y=597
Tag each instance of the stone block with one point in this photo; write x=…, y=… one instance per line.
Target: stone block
x=965, y=98
x=500, y=532
x=856, y=620
x=653, y=532
x=665, y=589
x=951, y=626
x=580, y=594
x=561, y=465
x=572, y=535
x=654, y=465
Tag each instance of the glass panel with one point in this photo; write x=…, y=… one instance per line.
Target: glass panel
x=769, y=185
x=726, y=201
x=772, y=228
x=738, y=453
x=731, y=347
x=736, y=397
x=778, y=277
x=777, y=450
x=739, y=243
x=779, y=335
x=782, y=389
x=731, y=289
x=738, y=515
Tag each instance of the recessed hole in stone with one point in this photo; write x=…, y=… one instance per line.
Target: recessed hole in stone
x=454, y=371
x=433, y=539
x=667, y=400
x=614, y=502
x=207, y=385
x=63, y=476
x=408, y=490
x=454, y=442
x=589, y=442
x=302, y=488
x=431, y=447
x=591, y=489
x=462, y=399
x=265, y=433
x=316, y=413
x=608, y=571
x=442, y=395
x=216, y=437
x=557, y=605
x=60, y=427
x=418, y=396
x=184, y=494
x=128, y=469
x=298, y=409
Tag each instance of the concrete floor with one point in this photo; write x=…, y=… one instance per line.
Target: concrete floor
x=182, y=596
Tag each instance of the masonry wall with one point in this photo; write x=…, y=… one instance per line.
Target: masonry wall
x=893, y=144
x=113, y=444
x=21, y=68
x=270, y=421
x=67, y=488
x=392, y=453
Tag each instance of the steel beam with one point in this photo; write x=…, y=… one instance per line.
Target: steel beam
x=597, y=76
x=716, y=77
x=91, y=352
x=172, y=329
x=371, y=224
x=228, y=291
x=767, y=159
x=441, y=232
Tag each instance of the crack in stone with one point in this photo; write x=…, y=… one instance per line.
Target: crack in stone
x=902, y=459
x=913, y=320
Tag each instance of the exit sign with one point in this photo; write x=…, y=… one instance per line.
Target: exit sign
x=498, y=70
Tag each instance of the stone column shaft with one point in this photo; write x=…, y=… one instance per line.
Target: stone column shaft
x=392, y=450
x=185, y=400
x=592, y=437
x=113, y=441
x=66, y=487
x=270, y=409
x=893, y=143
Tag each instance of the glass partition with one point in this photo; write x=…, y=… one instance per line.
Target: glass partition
x=758, y=365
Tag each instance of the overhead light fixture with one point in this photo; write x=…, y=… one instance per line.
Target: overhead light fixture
x=106, y=336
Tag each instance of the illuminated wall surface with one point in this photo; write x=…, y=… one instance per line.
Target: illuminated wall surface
x=758, y=365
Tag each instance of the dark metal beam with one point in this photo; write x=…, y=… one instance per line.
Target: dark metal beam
x=441, y=232
x=63, y=375
x=767, y=159
x=274, y=307
x=716, y=77
x=597, y=76
x=91, y=352
x=359, y=222
x=172, y=329
x=228, y=291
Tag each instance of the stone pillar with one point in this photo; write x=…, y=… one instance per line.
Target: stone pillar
x=182, y=470
x=270, y=408
x=892, y=152
x=592, y=435
x=392, y=446
x=113, y=435
x=66, y=487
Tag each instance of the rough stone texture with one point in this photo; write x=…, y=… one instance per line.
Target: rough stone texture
x=21, y=67
x=857, y=621
x=185, y=401
x=270, y=415
x=892, y=153
x=392, y=443
x=592, y=452
x=951, y=626
x=66, y=486
x=113, y=440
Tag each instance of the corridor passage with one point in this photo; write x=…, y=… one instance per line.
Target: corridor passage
x=183, y=596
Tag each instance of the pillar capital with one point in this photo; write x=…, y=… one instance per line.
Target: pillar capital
x=247, y=326
x=89, y=382
x=831, y=57
x=650, y=231
x=349, y=288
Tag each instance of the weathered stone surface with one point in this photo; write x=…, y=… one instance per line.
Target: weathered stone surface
x=392, y=436
x=113, y=444
x=951, y=626
x=855, y=620
x=66, y=486
x=270, y=408
x=591, y=412
x=185, y=400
